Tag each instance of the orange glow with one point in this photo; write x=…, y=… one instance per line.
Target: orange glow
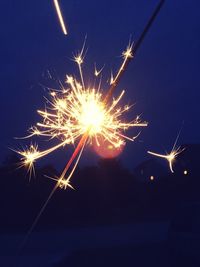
x=107, y=150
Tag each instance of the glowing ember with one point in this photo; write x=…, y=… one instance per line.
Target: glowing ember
x=152, y=178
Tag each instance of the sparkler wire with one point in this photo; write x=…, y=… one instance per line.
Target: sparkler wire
x=135, y=48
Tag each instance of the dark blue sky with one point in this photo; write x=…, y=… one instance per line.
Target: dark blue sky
x=163, y=79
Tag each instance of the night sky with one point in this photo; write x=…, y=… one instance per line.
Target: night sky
x=162, y=81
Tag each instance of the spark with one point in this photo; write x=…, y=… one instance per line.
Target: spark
x=62, y=183
x=185, y=172
x=31, y=154
x=79, y=58
x=169, y=157
x=97, y=72
x=126, y=55
x=60, y=17
x=172, y=155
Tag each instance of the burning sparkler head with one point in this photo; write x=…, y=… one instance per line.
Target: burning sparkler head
x=76, y=111
x=82, y=113
x=92, y=113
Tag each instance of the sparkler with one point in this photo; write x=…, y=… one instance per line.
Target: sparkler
x=60, y=17
x=169, y=157
x=82, y=113
x=79, y=113
x=172, y=155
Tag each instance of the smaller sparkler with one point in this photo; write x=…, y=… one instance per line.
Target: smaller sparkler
x=169, y=157
x=172, y=155
x=60, y=17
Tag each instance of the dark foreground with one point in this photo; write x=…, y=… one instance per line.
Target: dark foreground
x=140, y=244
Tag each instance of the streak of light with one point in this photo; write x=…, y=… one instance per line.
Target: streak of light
x=60, y=17
x=172, y=155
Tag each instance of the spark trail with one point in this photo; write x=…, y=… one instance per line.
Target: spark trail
x=131, y=51
x=60, y=17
